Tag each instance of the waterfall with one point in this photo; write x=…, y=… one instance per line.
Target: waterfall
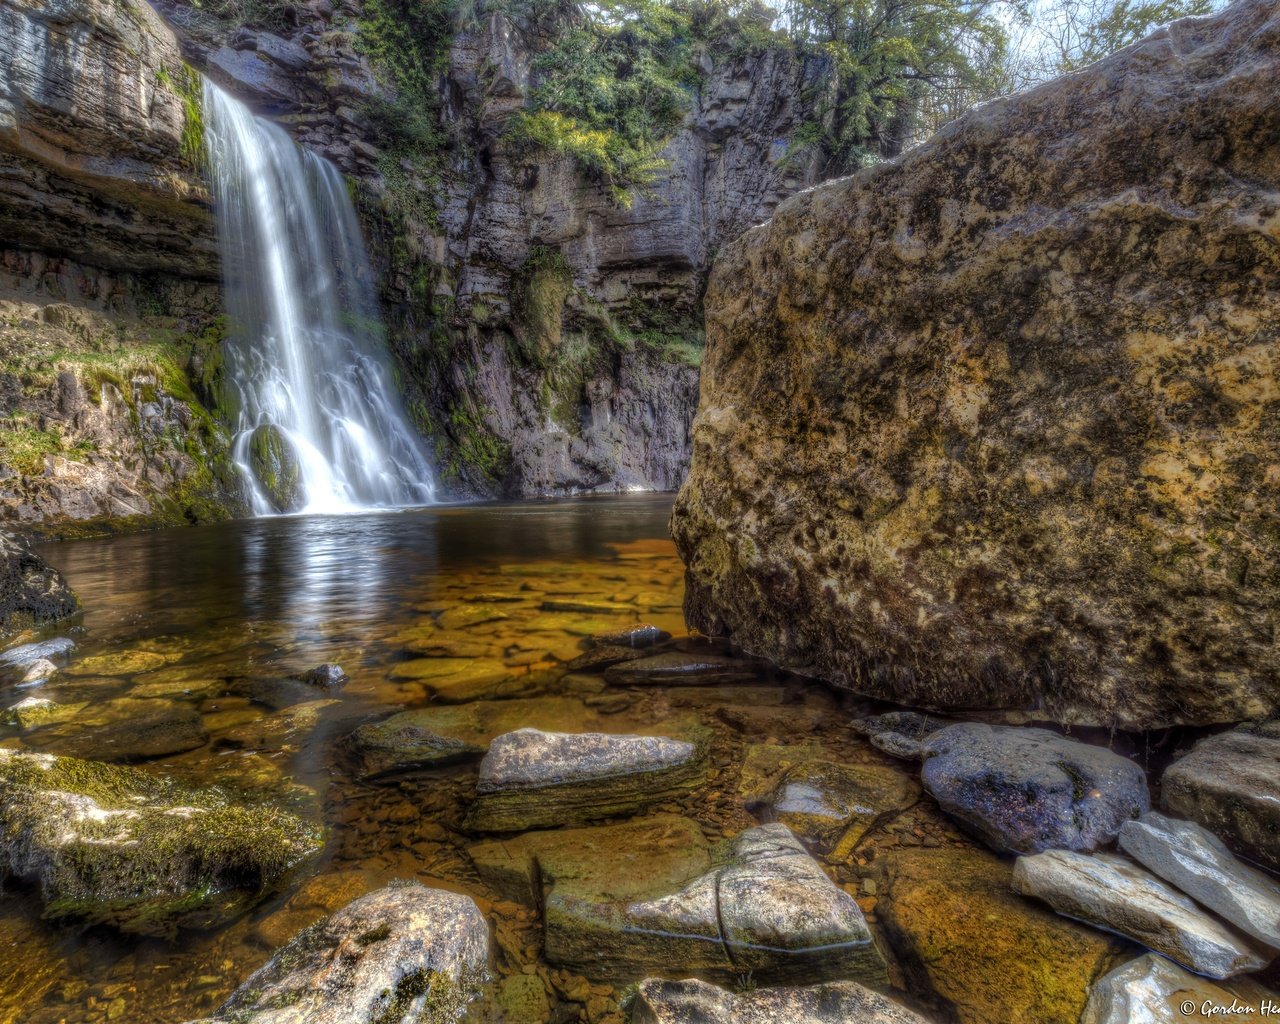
x=318, y=423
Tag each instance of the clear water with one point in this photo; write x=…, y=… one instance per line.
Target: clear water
x=307, y=353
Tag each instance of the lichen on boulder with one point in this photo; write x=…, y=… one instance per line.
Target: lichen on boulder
x=114, y=845
x=991, y=425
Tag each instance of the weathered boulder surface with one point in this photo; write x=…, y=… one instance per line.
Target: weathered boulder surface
x=116, y=845
x=990, y=425
x=1230, y=784
x=697, y=1002
x=94, y=102
x=1154, y=990
x=1196, y=861
x=401, y=953
x=1027, y=790
x=1114, y=893
x=32, y=593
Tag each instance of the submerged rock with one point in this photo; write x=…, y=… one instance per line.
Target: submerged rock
x=900, y=733
x=1230, y=784
x=646, y=895
x=1154, y=990
x=1197, y=862
x=1027, y=790
x=32, y=592
x=677, y=669
x=275, y=466
x=643, y=634
x=1112, y=892
x=697, y=1002
x=115, y=845
x=125, y=729
x=533, y=779
x=402, y=953
x=967, y=940
x=971, y=419
x=20, y=658
x=31, y=712
x=328, y=676
x=603, y=656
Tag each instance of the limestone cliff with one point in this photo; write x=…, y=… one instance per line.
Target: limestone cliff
x=995, y=424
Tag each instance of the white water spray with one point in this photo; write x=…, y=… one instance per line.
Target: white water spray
x=306, y=354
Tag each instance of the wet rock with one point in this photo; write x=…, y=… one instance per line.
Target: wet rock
x=468, y=615
x=641, y=635
x=275, y=693
x=835, y=805
x=275, y=466
x=1112, y=892
x=327, y=677
x=38, y=671
x=1028, y=520
x=115, y=845
x=647, y=894
x=122, y=663
x=32, y=592
x=31, y=712
x=900, y=733
x=1154, y=990
x=587, y=607
x=522, y=999
x=55, y=651
x=125, y=729
x=438, y=643
x=1196, y=861
x=765, y=765
x=697, y=1002
x=402, y=953
x=676, y=669
x=431, y=736
x=456, y=680
x=1230, y=784
x=1028, y=790
x=272, y=732
x=531, y=779
x=602, y=657
x=966, y=940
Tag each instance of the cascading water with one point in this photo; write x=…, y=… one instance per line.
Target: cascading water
x=318, y=423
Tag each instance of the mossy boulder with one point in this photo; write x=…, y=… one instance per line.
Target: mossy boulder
x=275, y=466
x=115, y=845
x=32, y=592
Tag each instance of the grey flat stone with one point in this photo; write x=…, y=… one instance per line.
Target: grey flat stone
x=1230, y=784
x=1154, y=990
x=1026, y=790
x=697, y=1002
x=1198, y=863
x=1113, y=893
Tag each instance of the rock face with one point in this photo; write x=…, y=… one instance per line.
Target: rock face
x=1230, y=784
x=988, y=425
x=1194, y=860
x=1114, y=893
x=697, y=1002
x=93, y=110
x=403, y=953
x=118, y=846
x=32, y=593
x=1155, y=990
x=1027, y=790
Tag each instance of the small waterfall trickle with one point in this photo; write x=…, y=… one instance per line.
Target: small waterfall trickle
x=319, y=426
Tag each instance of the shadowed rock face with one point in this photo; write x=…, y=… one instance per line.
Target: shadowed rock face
x=992, y=425
x=32, y=592
x=91, y=136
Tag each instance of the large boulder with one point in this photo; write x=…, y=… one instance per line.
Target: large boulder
x=32, y=593
x=990, y=425
x=115, y=845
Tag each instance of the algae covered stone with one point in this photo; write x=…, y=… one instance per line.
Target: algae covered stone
x=405, y=952
x=115, y=845
x=275, y=466
x=533, y=779
x=991, y=424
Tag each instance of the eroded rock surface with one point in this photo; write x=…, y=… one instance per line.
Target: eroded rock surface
x=990, y=425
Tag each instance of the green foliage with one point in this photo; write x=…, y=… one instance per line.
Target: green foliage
x=1095, y=29
x=186, y=85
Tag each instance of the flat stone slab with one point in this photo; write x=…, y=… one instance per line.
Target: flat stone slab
x=402, y=953
x=1027, y=790
x=621, y=901
x=114, y=845
x=1154, y=990
x=124, y=729
x=675, y=668
x=533, y=779
x=834, y=805
x=1230, y=784
x=642, y=634
x=697, y=1002
x=1113, y=893
x=1198, y=863
x=283, y=728
x=424, y=737
x=468, y=615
